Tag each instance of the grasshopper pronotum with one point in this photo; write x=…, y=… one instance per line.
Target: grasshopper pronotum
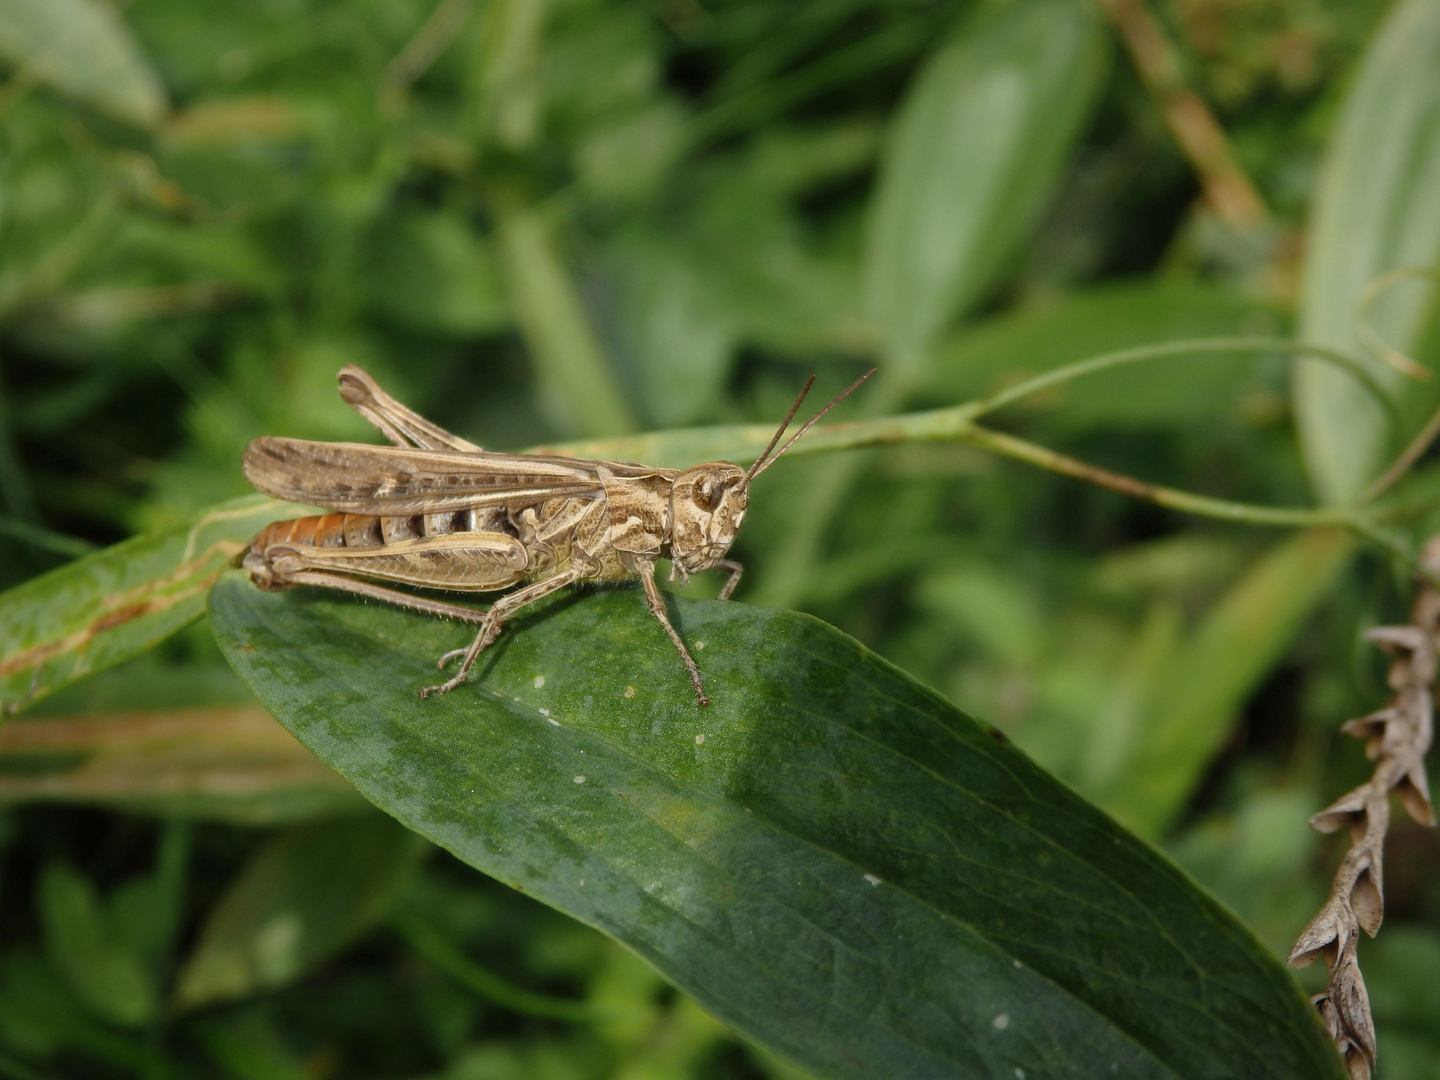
x=438, y=512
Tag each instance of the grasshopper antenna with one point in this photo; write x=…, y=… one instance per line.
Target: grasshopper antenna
x=765, y=460
x=759, y=462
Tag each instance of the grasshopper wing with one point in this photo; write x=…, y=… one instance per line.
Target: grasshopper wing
x=357, y=478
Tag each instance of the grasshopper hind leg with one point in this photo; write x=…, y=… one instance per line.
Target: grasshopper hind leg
x=470, y=652
x=490, y=629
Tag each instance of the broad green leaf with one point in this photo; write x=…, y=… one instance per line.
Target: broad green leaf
x=831, y=859
x=1194, y=701
x=84, y=50
x=971, y=159
x=302, y=898
x=109, y=976
x=228, y=764
x=1376, y=211
x=107, y=607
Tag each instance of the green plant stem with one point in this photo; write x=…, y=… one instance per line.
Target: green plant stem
x=486, y=984
x=1402, y=464
x=955, y=424
x=1140, y=354
x=785, y=579
x=1190, y=503
x=563, y=346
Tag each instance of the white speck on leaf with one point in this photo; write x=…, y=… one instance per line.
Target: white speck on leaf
x=872, y=879
x=552, y=720
x=700, y=739
x=539, y=682
x=629, y=691
x=579, y=779
x=1001, y=1021
x=544, y=712
x=1019, y=1073
x=699, y=645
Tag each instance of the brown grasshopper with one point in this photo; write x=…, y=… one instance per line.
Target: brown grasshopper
x=438, y=512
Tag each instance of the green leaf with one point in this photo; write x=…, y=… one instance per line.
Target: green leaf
x=302, y=898
x=104, y=608
x=84, y=50
x=1197, y=695
x=1376, y=212
x=830, y=858
x=972, y=158
x=109, y=976
x=39, y=1015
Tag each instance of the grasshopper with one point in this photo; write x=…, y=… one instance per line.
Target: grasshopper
x=437, y=512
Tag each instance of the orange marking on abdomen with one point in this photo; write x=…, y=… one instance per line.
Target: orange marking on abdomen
x=320, y=530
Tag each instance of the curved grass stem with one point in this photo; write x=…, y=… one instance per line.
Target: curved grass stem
x=743, y=442
x=1174, y=498
x=1144, y=353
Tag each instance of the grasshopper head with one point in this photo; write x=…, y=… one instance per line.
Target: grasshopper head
x=707, y=502
x=707, y=505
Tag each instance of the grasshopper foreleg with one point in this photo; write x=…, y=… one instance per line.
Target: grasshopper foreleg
x=735, y=571
x=656, y=601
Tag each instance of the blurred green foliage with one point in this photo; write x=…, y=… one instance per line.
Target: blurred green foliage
x=545, y=219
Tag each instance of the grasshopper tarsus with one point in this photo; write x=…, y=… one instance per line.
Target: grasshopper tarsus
x=435, y=511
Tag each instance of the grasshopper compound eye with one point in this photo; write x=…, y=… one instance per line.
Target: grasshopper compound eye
x=707, y=494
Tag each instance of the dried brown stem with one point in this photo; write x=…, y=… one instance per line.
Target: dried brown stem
x=1199, y=135
x=1396, y=738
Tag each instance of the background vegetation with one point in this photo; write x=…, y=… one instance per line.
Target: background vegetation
x=580, y=219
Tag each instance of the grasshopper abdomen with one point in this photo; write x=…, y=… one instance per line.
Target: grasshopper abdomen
x=465, y=550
